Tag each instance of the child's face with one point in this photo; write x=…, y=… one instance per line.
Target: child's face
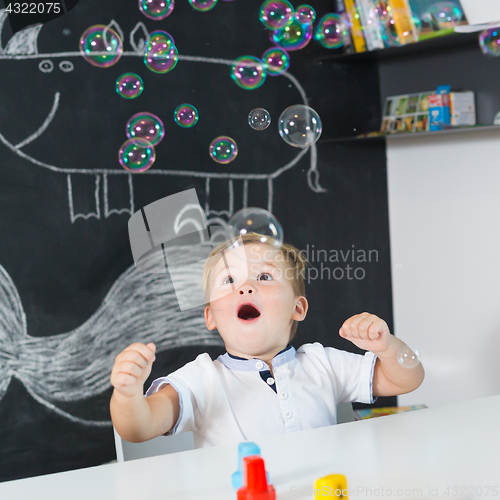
x=252, y=302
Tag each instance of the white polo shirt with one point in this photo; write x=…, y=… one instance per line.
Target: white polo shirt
x=234, y=399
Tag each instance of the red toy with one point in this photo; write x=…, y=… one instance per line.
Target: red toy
x=255, y=481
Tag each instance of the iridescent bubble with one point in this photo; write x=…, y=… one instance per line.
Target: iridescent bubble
x=254, y=220
x=443, y=15
x=489, y=41
x=203, y=5
x=156, y=9
x=275, y=14
x=496, y=120
x=136, y=155
x=299, y=126
x=259, y=119
x=294, y=36
x=145, y=126
x=160, y=54
x=331, y=31
x=129, y=85
x=248, y=72
x=223, y=149
x=101, y=46
x=305, y=13
x=408, y=358
x=276, y=61
x=186, y=115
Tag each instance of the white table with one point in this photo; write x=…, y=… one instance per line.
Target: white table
x=446, y=452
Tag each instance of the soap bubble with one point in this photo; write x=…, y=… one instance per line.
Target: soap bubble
x=294, y=36
x=306, y=14
x=489, y=41
x=160, y=54
x=186, y=115
x=156, y=9
x=129, y=85
x=248, y=72
x=299, y=126
x=145, y=126
x=203, y=5
x=136, y=155
x=276, y=61
x=223, y=149
x=259, y=119
x=443, y=15
x=408, y=358
x=275, y=14
x=496, y=120
x=254, y=220
x=331, y=31
x=101, y=46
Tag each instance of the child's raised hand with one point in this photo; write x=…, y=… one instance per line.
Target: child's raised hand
x=131, y=369
x=368, y=332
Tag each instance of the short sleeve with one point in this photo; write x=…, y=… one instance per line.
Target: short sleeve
x=354, y=374
x=190, y=382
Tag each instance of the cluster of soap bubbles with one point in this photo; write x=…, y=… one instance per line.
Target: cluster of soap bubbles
x=293, y=29
x=144, y=131
x=489, y=41
x=160, y=54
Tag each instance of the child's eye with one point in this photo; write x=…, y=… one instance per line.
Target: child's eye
x=227, y=280
x=264, y=277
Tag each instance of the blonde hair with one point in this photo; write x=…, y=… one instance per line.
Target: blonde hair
x=292, y=255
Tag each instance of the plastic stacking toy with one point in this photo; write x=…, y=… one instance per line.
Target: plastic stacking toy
x=256, y=486
x=332, y=486
x=244, y=450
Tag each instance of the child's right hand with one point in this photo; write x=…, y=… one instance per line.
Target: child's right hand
x=131, y=369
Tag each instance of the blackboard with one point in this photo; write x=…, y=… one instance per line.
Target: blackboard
x=70, y=297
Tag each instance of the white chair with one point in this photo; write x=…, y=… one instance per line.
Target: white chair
x=185, y=441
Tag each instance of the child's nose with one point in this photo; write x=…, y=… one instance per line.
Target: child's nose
x=246, y=289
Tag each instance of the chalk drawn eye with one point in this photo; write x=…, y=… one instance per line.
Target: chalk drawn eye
x=46, y=66
x=66, y=66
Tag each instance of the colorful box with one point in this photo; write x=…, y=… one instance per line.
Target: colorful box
x=462, y=108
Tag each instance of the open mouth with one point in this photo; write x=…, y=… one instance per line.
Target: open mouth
x=248, y=312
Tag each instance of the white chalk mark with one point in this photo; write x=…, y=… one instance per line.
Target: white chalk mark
x=46, y=66
x=44, y=125
x=178, y=225
x=115, y=26
x=24, y=42
x=107, y=211
x=66, y=66
x=96, y=214
x=141, y=42
x=139, y=307
x=245, y=193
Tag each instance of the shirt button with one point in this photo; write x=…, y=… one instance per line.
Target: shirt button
x=283, y=395
x=259, y=365
x=288, y=414
x=270, y=381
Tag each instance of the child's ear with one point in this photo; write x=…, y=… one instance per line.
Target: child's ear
x=209, y=320
x=301, y=307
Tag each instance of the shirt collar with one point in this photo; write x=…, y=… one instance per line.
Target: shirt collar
x=256, y=364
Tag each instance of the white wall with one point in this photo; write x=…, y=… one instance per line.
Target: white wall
x=444, y=211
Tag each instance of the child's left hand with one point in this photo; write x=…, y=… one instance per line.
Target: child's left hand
x=368, y=332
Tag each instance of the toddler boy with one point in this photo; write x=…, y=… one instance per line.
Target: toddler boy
x=261, y=386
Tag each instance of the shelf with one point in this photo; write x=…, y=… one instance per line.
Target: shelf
x=406, y=135
x=436, y=43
